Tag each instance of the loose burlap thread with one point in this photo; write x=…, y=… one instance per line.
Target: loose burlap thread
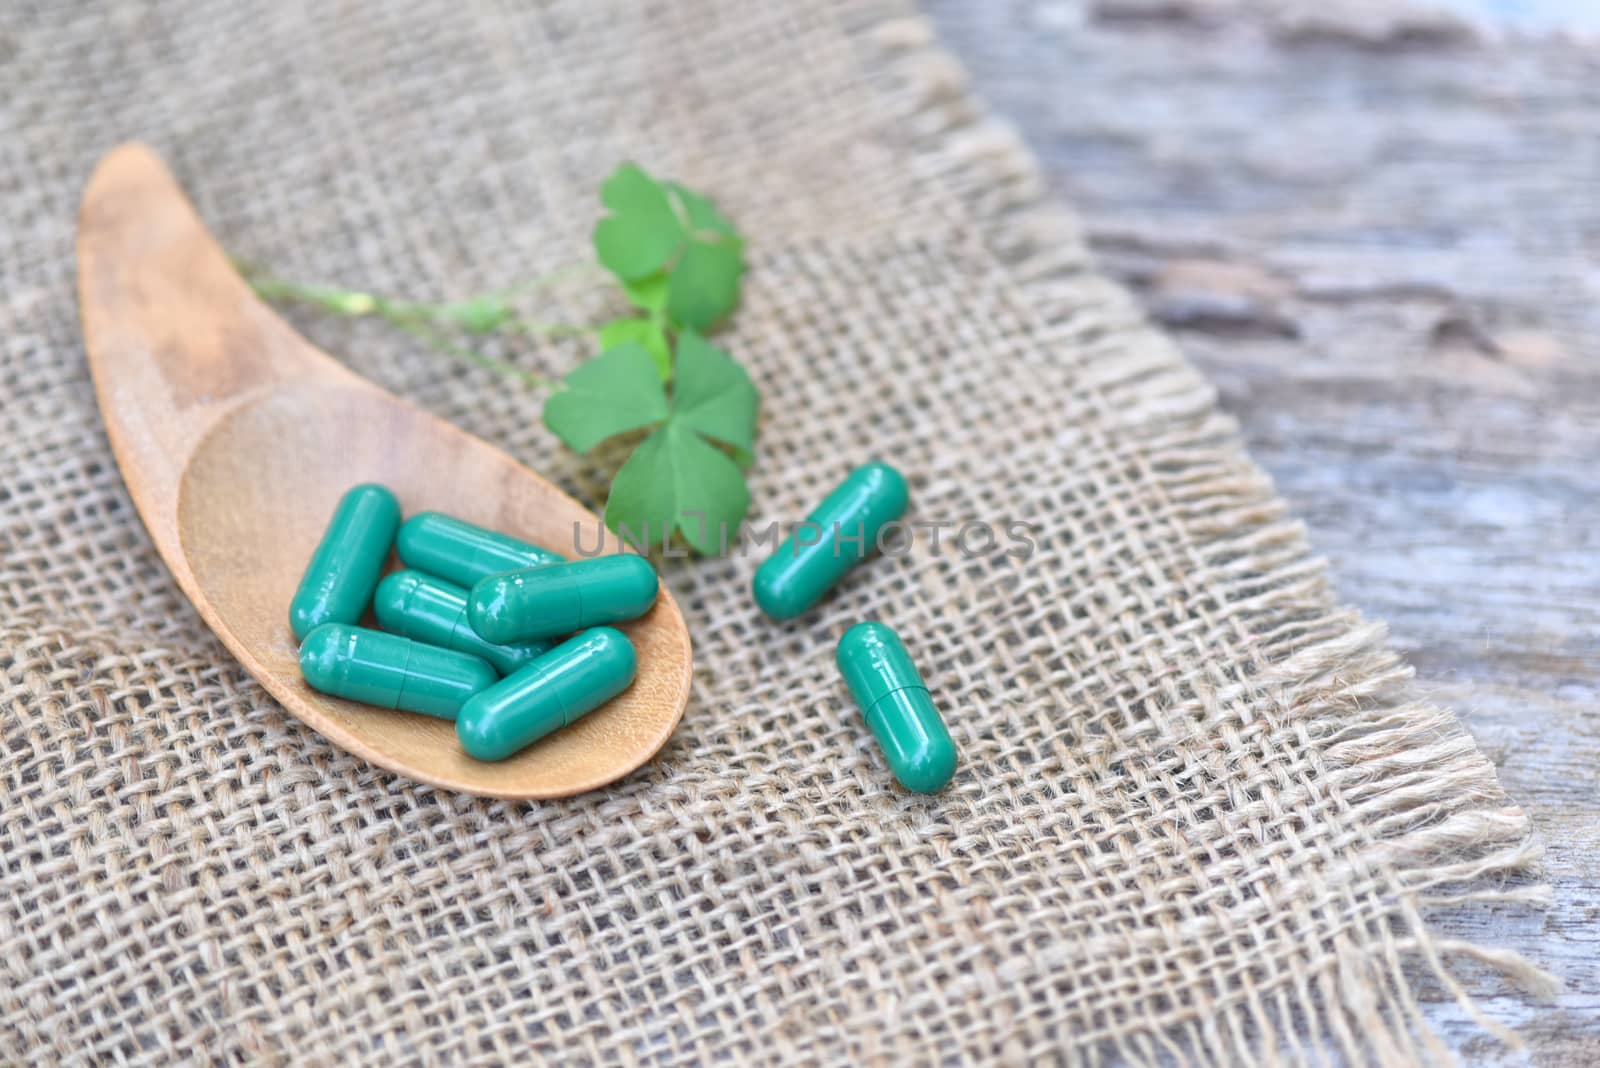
x=1200, y=816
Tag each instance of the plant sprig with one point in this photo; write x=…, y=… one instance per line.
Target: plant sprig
x=680, y=264
x=677, y=481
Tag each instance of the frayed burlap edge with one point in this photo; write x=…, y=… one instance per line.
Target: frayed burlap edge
x=1414, y=777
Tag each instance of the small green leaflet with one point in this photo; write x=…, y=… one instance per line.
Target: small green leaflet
x=617, y=391
x=676, y=480
x=643, y=230
x=649, y=293
x=713, y=396
x=704, y=285
x=646, y=332
x=669, y=247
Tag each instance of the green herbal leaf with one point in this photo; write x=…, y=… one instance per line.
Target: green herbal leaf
x=676, y=482
x=644, y=229
x=704, y=284
x=702, y=214
x=646, y=332
x=649, y=293
x=670, y=247
x=713, y=395
x=618, y=391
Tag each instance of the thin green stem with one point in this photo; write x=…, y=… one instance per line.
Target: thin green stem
x=554, y=278
x=329, y=298
x=533, y=328
x=419, y=320
x=433, y=340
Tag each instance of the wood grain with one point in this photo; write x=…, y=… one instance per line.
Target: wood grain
x=1378, y=231
x=237, y=439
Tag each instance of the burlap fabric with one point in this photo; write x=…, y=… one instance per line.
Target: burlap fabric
x=1199, y=817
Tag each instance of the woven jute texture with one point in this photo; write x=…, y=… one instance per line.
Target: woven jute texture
x=1199, y=818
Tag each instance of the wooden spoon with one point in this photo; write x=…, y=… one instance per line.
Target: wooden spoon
x=237, y=437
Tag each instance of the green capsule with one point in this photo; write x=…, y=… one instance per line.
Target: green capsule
x=435, y=611
x=544, y=602
x=898, y=709
x=459, y=552
x=571, y=680
x=339, y=581
x=390, y=671
x=836, y=536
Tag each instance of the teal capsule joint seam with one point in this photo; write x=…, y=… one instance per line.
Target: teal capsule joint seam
x=882, y=697
x=405, y=675
x=567, y=718
x=462, y=619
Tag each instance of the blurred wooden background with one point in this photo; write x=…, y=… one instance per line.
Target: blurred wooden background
x=1377, y=228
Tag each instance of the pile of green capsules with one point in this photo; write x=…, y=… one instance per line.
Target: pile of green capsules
x=468, y=626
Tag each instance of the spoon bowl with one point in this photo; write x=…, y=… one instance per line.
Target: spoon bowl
x=237, y=437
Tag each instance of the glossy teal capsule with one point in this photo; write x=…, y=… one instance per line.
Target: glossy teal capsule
x=836, y=536
x=462, y=553
x=571, y=680
x=897, y=707
x=344, y=570
x=390, y=671
x=545, y=602
x=432, y=610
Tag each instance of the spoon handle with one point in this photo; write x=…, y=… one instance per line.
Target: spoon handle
x=174, y=336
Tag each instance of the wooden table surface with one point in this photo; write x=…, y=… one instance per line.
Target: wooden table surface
x=1378, y=231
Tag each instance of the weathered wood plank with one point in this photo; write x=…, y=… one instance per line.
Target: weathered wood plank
x=1380, y=236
